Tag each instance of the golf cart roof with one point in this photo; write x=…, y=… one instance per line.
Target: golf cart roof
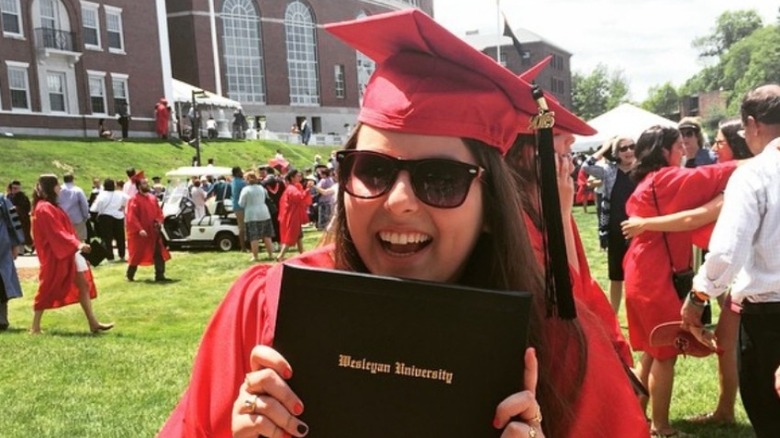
x=200, y=171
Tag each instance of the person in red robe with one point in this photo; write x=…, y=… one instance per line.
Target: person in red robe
x=293, y=206
x=455, y=221
x=162, y=115
x=64, y=276
x=143, y=220
x=662, y=188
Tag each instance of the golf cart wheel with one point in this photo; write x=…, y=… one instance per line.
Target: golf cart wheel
x=226, y=242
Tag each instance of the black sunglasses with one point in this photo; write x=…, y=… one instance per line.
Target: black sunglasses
x=628, y=147
x=437, y=182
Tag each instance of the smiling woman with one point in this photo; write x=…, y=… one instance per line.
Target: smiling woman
x=424, y=194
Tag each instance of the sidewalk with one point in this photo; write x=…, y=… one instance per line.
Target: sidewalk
x=27, y=261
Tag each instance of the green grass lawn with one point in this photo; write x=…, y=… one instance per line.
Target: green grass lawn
x=125, y=383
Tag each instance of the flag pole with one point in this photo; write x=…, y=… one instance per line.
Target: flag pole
x=499, y=33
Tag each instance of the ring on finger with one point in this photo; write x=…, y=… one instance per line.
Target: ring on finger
x=538, y=417
x=531, y=432
x=250, y=405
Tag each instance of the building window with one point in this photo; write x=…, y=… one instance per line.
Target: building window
x=91, y=23
x=119, y=86
x=12, y=24
x=341, y=85
x=20, y=87
x=365, y=68
x=243, y=51
x=97, y=92
x=301, y=54
x=116, y=42
x=56, y=85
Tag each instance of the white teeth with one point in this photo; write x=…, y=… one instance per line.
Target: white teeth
x=403, y=238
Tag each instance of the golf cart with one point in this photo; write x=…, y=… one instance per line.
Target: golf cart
x=181, y=229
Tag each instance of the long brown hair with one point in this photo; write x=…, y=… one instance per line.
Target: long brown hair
x=44, y=190
x=503, y=260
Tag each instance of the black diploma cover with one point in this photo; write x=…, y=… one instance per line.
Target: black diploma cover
x=385, y=357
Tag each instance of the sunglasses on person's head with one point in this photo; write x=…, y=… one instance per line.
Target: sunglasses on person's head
x=628, y=147
x=688, y=132
x=437, y=182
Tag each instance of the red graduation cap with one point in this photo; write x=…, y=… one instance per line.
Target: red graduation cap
x=137, y=177
x=429, y=81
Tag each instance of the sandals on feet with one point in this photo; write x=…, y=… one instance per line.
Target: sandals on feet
x=711, y=418
x=671, y=433
x=102, y=328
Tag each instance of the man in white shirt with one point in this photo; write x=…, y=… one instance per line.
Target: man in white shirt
x=744, y=248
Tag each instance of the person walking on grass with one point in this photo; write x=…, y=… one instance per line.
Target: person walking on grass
x=11, y=244
x=144, y=220
x=293, y=212
x=64, y=277
x=256, y=216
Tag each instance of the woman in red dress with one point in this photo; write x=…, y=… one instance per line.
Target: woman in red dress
x=663, y=187
x=64, y=276
x=292, y=213
x=422, y=195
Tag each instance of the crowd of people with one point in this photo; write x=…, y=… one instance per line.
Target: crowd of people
x=419, y=194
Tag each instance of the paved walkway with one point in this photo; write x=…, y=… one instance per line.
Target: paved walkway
x=27, y=261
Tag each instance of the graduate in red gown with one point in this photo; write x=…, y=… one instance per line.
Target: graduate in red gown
x=662, y=188
x=162, y=115
x=432, y=98
x=144, y=219
x=64, y=276
x=293, y=206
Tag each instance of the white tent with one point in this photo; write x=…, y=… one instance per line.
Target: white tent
x=626, y=119
x=182, y=93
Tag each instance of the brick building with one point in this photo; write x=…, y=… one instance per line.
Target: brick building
x=68, y=63
x=275, y=58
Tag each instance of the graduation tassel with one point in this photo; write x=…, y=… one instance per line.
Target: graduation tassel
x=558, y=289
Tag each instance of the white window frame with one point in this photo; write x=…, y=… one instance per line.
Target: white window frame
x=302, y=62
x=243, y=51
x=121, y=78
x=64, y=82
x=92, y=8
x=18, y=12
x=24, y=67
x=101, y=76
x=340, y=81
x=111, y=11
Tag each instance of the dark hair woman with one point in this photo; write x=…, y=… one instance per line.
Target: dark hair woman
x=64, y=276
x=663, y=187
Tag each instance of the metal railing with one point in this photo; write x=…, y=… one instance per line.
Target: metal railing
x=55, y=39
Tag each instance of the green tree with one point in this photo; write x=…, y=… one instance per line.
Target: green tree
x=598, y=92
x=751, y=62
x=662, y=100
x=731, y=27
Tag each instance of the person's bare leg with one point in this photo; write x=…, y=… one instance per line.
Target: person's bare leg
x=615, y=294
x=643, y=372
x=661, y=385
x=253, y=245
x=727, y=334
x=300, y=245
x=282, y=251
x=86, y=304
x=269, y=247
x=35, y=329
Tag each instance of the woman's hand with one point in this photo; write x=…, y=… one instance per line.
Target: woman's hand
x=519, y=415
x=85, y=248
x=266, y=406
x=633, y=227
x=564, y=168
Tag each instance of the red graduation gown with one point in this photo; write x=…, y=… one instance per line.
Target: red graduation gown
x=247, y=317
x=142, y=213
x=650, y=296
x=56, y=245
x=292, y=213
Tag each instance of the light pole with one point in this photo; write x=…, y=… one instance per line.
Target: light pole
x=195, y=121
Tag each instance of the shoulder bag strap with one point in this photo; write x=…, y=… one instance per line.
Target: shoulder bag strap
x=663, y=234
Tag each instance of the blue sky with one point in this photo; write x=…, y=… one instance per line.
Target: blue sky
x=649, y=40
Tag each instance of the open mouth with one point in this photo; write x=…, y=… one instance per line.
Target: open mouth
x=403, y=243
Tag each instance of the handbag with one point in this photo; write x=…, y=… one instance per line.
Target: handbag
x=682, y=280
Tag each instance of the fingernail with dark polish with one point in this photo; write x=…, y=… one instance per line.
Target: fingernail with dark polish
x=303, y=429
